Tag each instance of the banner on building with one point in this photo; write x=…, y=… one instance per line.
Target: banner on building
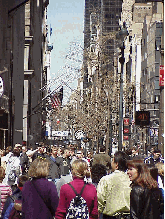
x=126, y=121
x=161, y=76
x=60, y=133
x=125, y=137
x=126, y=129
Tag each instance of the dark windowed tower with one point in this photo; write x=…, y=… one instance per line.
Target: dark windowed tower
x=90, y=6
x=109, y=13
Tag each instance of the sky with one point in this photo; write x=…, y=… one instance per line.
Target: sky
x=66, y=18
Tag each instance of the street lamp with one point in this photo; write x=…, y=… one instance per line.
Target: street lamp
x=120, y=36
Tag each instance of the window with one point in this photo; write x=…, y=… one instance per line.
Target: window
x=157, y=98
x=112, y=3
x=130, y=38
x=111, y=16
x=157, y=85
x=152, y=98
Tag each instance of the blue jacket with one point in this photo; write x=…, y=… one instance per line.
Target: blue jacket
x=7, y=213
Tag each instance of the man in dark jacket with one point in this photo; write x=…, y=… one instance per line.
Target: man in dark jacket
x=56, y=164
x=154, y=158
x=40, y=153
x=24, y=161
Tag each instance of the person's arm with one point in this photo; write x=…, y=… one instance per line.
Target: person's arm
x=7, y=203
x=61, y=209
x=59, y=162
x=94, y=210
x=101, y=194
x=7, y=212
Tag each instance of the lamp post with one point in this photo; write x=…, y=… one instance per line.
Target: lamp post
x=120, y=36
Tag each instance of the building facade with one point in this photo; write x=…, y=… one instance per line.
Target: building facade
x=22, y=70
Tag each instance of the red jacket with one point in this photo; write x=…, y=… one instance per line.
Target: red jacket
x=67, y=194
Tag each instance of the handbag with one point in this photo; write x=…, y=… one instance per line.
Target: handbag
x=41, y=198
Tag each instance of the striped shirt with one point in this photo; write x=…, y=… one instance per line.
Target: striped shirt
x=5, y=192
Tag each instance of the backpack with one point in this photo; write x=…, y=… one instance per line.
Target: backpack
x=78, y=208
x=12, y=175
x=14, y=171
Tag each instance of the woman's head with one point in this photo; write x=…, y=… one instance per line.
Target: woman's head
x=80, y=169
x=39, y=168
x=139, y=174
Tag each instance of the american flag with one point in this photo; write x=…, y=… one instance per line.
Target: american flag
x=56, y=99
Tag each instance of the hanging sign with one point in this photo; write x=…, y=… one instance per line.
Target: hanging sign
x=161, y=76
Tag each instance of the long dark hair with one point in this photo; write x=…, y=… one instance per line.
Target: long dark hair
x=144, y=179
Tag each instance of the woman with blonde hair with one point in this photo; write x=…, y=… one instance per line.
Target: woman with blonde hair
x=39, y=196
x=79, y=172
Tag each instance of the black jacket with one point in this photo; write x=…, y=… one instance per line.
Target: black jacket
x=24, y=162
x=55, y=167
x=37, y=154
x=145, y=203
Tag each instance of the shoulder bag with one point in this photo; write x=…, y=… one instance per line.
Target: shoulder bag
x=41, y=197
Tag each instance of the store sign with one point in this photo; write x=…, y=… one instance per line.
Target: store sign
x=161, y=76
x=126, y=121
x=126, y=130
x=60, y=133
x=125, y=137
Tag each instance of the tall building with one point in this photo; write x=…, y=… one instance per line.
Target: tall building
x=23, y=46
x=90, y=6
x=151, y=62
x=101, y=22
x=108, y=14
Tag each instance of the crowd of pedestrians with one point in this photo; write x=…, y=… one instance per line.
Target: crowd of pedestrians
x=59, y=183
